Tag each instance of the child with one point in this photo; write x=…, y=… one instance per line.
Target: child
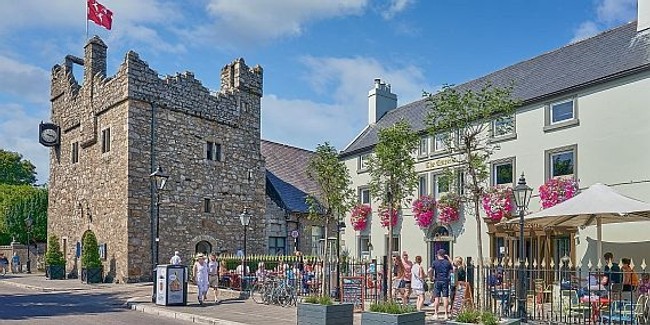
x=644, y=284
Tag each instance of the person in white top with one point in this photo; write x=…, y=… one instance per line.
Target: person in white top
x=201, y=277
x=417, y=282
x=176, y=259
x=240, y=269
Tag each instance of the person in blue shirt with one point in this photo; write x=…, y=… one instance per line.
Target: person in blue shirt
x=613, y=273
x=15, y=263
x=442, y=269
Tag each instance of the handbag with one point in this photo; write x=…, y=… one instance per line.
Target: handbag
x=425, y=286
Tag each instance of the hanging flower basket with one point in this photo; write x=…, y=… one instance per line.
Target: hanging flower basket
x=384, y=217
x=497, y=203
x=359, y=217
x=557, y=190
x=448, y=208
x=424, y=209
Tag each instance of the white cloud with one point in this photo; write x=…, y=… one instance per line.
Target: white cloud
x=609, y=13
x=240, y=22
x=347, y=81
x=395, y=7
x=586, y=30
x=19, y=133
x=27, y=81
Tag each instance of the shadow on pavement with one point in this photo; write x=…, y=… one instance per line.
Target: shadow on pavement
x=27, y=306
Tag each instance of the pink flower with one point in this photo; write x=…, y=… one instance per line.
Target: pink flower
x=557, y=190
x=448, y=207
x=359, y=216
x=497, y=202
x=385, y=217
x=423, y=210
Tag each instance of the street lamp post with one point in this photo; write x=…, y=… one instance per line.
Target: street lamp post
x=522, y=194
x=29, y=222
x=245, y=219
x=159, y=179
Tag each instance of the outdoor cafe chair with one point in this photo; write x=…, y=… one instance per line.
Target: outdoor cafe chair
x=628, y=313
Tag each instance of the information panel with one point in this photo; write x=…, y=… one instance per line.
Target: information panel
x=462, y=298
x=352, y=291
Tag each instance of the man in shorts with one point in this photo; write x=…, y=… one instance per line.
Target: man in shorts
x=442, y=269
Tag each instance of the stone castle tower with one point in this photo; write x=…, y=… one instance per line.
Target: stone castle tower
x=115, y=131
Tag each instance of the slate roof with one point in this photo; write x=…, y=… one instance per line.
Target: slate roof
x=286, y=175
x=610, y=55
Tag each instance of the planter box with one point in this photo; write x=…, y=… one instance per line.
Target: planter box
x=505, y=321
x=56, y=272
x=92, y=275
x=370, y=318
x=312, y=314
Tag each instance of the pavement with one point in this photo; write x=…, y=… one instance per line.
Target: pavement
x=232, y=310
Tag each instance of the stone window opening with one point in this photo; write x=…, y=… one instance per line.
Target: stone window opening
x=74, y=152
x=213, y=151
x=106, y=140
x=207, y=206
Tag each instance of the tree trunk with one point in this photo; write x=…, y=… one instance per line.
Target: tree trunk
x=479, y=238
x=324, y=285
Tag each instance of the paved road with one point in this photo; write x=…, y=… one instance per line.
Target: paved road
x=101, y=306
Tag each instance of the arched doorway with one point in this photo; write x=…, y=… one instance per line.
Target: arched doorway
x=440, y=236
x=203, y=247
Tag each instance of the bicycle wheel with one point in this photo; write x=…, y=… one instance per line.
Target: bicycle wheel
x=257, y=293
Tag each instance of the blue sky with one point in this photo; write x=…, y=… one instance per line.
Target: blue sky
x=319, y=56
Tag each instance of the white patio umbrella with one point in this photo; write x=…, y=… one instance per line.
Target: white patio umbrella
x=599, y=204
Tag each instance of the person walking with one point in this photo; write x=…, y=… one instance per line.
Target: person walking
x=15, y=263
x=176, y=259
x=398, y=277
x=442, y=269
x=417, y=282
x=213, y=276
x=201, y=277
x=4, y=264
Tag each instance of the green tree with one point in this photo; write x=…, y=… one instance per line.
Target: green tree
x=16, y=203
x=335, y=197
x=392, y=172
x=90, y=255
x=53, y=255
x=467, y=115
x=14, y=170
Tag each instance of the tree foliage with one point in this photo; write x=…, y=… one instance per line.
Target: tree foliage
x=90, y=255
x=392, y=170
x=17, y=202
x=465, y=117
x=53, y=255
x=336, y=196
x=14, y=170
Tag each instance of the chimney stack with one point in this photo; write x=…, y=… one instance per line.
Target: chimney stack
x=380, y=101
x=643, y=15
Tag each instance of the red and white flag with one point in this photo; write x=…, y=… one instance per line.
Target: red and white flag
x=99, y=14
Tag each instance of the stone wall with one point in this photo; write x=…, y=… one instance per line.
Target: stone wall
x=153, y=122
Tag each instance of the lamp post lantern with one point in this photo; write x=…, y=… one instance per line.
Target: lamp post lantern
x=244, y=219
x=522, y=194
x=29, y=222
x=159, y=179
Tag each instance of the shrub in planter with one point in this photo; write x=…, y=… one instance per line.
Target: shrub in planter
x=322, y=311
x=54, y=260
x=471, y=316
x=92, y=264
x=392, y=313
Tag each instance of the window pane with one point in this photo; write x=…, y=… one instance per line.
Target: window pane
x=442, y=184
x=364, y=196
x=503, y=125
x=208, y=154
x=503, y=174
x=562, y=163
x=363, y=161
x=423, y=146
x=440, y=143
x=561, y=112
x=422, y=185
x=217, y=150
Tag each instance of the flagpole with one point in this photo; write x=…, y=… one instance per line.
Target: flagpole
x=86, y=23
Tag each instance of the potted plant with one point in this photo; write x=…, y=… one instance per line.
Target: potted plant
x=391, y=313
x=316, y=310
x=55, y=269
x=91, y=263
x=473, y=316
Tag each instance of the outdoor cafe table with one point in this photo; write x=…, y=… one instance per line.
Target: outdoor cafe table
x=596, y=303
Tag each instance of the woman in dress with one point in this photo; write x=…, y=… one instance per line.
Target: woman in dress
x=213, y=276
x=201, y=277
x=417, y=282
